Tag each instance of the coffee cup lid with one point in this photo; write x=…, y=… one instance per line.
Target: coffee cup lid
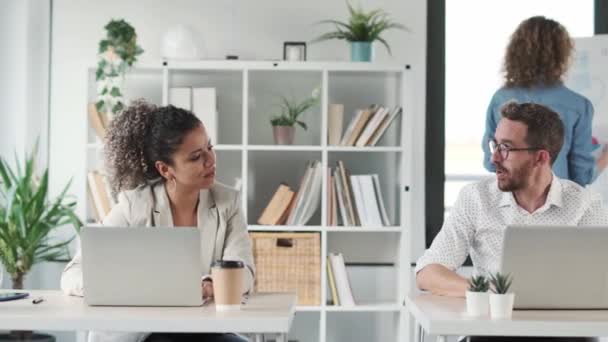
x=228, y=264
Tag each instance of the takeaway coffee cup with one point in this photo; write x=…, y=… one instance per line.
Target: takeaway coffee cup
x=228, y=278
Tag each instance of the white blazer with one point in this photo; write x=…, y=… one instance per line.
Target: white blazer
x=223, y=236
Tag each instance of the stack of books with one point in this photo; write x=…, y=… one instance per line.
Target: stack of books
x=295, y=208
x=100, y=193
x=369, y=125
x=339, y=285
x=354, y=199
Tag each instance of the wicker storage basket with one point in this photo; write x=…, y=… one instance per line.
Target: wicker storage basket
x=288, y=262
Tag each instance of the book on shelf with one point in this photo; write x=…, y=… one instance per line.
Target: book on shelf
x=348, y=194
x=295, y=208
x=329, y=203
x=299, y=199
x=343, y=288
x=379, y=198
x=312, y=196
x=332, y=283
x=99, y=192
x=334, y=200
x=370, y=202
x=98, y=121
x=357, y=125
x=335, y=117
x=344, y=216
x=359, y=200
x=386, y=122
x=204, y=105
x=372, y=126
x=366, y=201
x=201, y=101
x=278, y=205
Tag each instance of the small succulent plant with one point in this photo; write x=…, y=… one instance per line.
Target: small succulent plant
x=501, y=282
x=479, y=284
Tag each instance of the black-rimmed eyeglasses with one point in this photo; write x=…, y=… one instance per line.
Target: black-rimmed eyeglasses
x=504, y=150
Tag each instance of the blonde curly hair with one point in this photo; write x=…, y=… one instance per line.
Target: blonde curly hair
x=538, y=53
x=141, y=135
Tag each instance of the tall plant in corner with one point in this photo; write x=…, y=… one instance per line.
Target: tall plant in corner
x=361, y=30
x=28, y=219
x=117, y=53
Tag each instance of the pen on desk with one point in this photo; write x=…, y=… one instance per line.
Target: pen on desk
x=37, y=300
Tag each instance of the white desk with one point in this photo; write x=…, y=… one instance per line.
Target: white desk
x=443, y=316
x=263, y=313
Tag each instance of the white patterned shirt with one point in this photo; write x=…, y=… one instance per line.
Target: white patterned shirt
x=477, y=222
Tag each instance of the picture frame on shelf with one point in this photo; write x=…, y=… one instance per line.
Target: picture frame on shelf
x=294, y=51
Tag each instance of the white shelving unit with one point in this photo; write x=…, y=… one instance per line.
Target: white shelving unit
x=378, y=258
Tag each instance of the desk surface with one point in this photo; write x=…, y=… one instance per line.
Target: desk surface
x=263, y=313
x=447, y=316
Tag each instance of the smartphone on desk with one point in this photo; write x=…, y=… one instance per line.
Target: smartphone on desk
x=6, y=296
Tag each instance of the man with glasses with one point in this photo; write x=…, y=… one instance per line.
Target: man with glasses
x=524, y=192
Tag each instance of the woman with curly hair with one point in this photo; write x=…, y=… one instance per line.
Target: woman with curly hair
x=537, y=57
x=162, y=164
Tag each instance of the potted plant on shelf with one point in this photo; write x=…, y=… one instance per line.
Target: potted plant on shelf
x=117, y=54
x=362, y=30
x=283, y=125
x=501, y=301
x=477, y=296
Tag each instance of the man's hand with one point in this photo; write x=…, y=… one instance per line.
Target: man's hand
x=207, y=287
x=441, y=281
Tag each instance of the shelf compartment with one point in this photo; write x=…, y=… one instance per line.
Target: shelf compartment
x=267, y=171
x=266, y=89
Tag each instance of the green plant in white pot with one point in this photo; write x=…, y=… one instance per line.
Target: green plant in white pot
x=501, y=301
x=283, y=125
x=117, y=53
x=28, y=220
x=362, y=30
x=477, y=296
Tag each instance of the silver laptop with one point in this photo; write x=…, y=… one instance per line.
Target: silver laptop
x=557, y=267
x=141, y=266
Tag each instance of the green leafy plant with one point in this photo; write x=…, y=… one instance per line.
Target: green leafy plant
x=291, y=110
x=362, y=26
x=479, y=284
x=28, y=219
x=501, y=282
x=117, y=53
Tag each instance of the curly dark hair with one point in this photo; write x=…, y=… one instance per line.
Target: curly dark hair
x=538, y=53
x=141, y=135
x=545, y=127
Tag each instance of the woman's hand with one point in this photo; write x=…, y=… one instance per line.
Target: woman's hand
x=602, y=161
x=207, y=287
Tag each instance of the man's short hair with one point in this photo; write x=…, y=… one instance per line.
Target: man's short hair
x=545, y=127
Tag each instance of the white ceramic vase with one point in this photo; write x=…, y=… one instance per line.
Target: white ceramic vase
x=478, y=303
x=501, y=305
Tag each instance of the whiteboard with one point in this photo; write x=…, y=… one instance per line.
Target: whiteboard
x=588, y=76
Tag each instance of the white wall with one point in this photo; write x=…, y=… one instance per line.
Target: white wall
x=24, y=66
x=13, y=34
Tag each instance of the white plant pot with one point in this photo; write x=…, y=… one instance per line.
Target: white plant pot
x=501, y=305
x=478, y=303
